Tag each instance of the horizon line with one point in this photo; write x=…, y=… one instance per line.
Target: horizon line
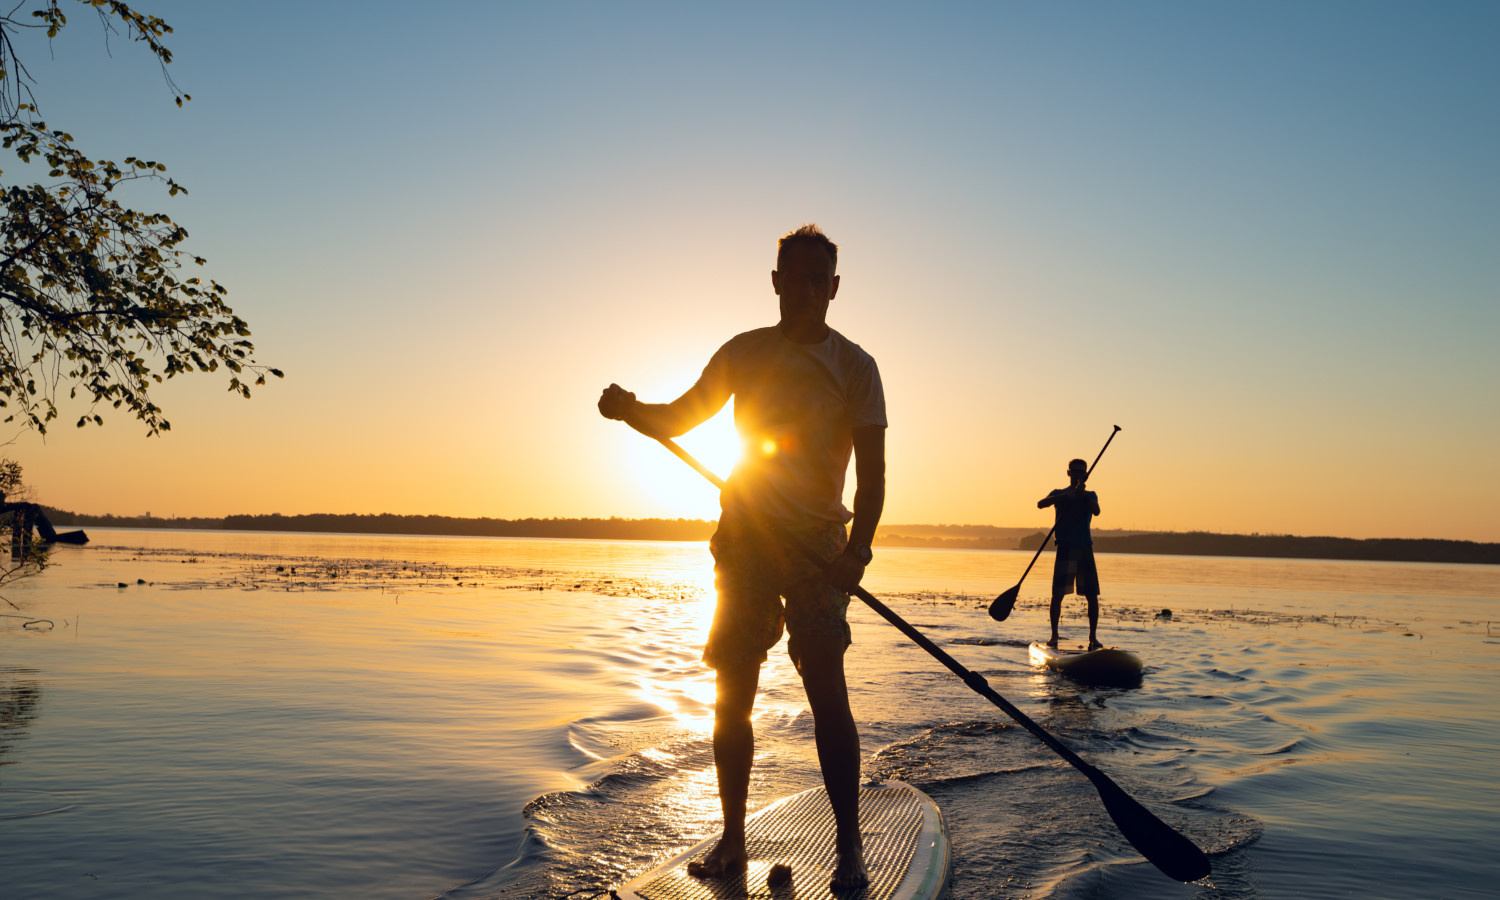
x=1028, y=529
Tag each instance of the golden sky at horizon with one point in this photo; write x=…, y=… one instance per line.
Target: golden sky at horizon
x=1261, y=240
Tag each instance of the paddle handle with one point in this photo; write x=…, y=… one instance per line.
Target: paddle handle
x=1101, y=453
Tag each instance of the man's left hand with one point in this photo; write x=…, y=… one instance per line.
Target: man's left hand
x=845, y=572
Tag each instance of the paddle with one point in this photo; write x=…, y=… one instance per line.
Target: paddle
x=1001, y=606
x=1163, y=847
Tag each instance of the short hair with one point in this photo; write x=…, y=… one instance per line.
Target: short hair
x=1078, y=465
x=808, y=235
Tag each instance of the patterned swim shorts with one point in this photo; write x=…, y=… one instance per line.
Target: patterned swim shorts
x=1075, y=565
x=753, y=571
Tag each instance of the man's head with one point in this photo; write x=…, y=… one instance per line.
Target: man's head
x=805, y=281
x=1078, y=469
x=808, y=235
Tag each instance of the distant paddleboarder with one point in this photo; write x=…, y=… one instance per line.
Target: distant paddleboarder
x=805, y=398
x=1075, y=508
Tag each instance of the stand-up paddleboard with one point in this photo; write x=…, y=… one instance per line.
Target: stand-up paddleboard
x=1109, y=665
x=905, y=841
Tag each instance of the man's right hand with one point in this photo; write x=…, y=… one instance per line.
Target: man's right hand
x=616, y=403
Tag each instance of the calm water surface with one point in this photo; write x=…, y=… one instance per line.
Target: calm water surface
x=188, y=714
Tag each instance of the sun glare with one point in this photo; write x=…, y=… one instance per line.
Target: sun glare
x=715, y=443
x=672, y=484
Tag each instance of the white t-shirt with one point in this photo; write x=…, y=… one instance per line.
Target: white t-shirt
x=794, y=407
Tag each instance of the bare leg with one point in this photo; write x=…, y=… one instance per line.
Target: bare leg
x=1094, y=622
x=734, y=752
x=1056, y=613
x=837, y=737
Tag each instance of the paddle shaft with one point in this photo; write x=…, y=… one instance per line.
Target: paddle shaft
x=1163, y=846
x=1053, y=530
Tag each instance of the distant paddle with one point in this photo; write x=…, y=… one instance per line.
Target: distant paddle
x=1163, y=847
x=1001, y=606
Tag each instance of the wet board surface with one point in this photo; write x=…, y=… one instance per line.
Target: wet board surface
x=1107, y=665
x=905, y=841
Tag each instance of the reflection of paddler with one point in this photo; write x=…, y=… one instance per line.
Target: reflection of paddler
x=1074, y=568
x=806, y=398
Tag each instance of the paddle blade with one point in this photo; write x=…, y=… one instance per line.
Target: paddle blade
x=1002, y=605
x=1163, y=846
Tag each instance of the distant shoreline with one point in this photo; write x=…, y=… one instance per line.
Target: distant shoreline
x=938, y=537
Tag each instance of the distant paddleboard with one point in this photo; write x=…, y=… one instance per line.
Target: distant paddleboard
x=1110, y=665
x=905, y=839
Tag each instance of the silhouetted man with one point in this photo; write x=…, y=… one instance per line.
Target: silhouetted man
x=1075, y=509
x=805, y=397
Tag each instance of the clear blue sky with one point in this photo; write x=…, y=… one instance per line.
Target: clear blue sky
x=1261, y=237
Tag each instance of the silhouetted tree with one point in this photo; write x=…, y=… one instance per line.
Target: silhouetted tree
x=92, y=293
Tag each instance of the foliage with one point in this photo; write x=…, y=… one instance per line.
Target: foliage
x=11, y=482
x=93, y=294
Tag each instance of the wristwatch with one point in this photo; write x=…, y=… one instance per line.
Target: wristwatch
x=860, y=552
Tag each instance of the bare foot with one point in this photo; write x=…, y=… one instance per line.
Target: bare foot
x=1095, y=645
x=850, y=874
x=1052, y=642
x=721, y=862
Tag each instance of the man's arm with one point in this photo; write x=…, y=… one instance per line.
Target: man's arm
x=1095, y=498
x=869, y=503
x=1048, y=500
x=668, y=420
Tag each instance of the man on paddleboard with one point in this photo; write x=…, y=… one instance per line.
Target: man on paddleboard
x=1075, y=508
x=805, y=398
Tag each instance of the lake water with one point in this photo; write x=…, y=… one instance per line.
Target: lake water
x=190, y=714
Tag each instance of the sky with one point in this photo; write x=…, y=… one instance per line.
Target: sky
x=1263, y=239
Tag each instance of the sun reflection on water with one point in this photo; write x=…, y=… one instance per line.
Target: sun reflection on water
x=683, y=688
x=686, y=698
x=693, y=798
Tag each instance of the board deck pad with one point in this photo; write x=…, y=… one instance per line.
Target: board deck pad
x=799, y=831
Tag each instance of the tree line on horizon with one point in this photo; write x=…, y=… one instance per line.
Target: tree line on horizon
x=1287, y=546
x=943, y=537
x=613, y=528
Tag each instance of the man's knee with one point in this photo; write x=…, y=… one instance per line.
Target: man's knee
x=827, y=690
x=817, y=654
x=736, y=686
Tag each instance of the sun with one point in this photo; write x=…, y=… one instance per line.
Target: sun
x=715, y=443
x=672, y=483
